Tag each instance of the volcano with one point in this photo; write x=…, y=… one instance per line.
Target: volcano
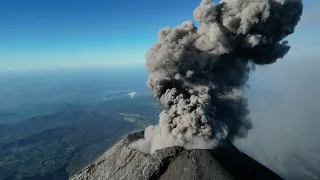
x=174, y=163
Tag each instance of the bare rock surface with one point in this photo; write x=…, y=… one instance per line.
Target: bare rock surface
x=174, y=163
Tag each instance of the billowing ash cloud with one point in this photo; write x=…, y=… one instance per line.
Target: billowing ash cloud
x=198, y=74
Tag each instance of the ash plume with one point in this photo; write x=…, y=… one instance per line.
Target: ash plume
x=199, y=74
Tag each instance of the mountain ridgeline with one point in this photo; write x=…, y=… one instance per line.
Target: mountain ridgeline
x=57, y=145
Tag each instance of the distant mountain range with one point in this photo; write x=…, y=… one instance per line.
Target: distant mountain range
x=57, y=145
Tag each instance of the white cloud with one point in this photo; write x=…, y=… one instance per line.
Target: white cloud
x=132, y=94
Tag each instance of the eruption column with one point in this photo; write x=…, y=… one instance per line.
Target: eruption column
x=198, y=74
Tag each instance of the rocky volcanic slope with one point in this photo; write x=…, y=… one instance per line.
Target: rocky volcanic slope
x=175, y=163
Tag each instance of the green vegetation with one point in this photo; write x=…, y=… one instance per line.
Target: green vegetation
x=140, y=121
x=58, y=145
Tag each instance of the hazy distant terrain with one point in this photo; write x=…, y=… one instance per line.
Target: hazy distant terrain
x=55, y=122
x=29, y=93
x=61, y=143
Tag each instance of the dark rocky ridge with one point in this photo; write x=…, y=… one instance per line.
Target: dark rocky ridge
x=174, y=163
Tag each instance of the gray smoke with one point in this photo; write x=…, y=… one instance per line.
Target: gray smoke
x=199, y=74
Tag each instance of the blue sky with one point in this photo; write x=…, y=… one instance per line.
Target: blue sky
x=38, y=33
